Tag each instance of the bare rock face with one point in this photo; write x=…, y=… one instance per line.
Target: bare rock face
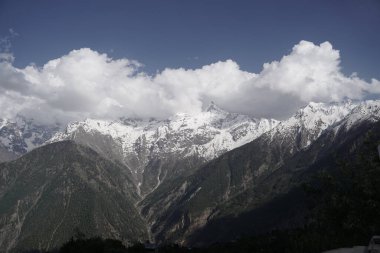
x=247, y=177
x=20, y=135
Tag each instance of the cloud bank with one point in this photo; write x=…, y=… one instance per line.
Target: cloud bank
x=85, y=83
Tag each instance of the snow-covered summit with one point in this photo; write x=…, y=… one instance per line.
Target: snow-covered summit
x=206, y=134
x=308, y=123
x=365, y=111
x=20, y=135
x=320, y=115
x=150, y=147
x=212, y=107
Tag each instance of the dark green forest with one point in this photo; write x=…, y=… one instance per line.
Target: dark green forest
x=344, y=204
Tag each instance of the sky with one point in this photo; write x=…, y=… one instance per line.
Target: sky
x=67, y=60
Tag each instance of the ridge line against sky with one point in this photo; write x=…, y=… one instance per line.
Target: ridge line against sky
x=85, y=83
x=68, y=60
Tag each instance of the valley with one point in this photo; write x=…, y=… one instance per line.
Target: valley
x=179, y=180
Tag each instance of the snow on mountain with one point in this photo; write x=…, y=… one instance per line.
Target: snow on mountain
x=207, y=134
x=365, y=111
x=20, y=135
x=155, y=150
x=308, y=123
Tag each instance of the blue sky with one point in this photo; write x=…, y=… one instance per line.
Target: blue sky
x=75, y=59
x=190, y=34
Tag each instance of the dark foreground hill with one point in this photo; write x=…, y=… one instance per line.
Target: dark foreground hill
x=343, y=206
x=52, y=190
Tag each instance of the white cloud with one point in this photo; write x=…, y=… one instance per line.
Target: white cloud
x=6, y=45
x=85, y=83
x=311, y=73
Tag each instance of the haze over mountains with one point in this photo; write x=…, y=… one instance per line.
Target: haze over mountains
x=173, y=180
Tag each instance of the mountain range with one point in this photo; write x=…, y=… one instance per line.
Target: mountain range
x=191, y=179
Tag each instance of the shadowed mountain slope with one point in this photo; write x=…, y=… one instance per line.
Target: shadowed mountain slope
x=48, y=193
x=254, y=188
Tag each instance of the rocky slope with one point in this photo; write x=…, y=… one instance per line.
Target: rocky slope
x=20, y=135
x=278, y=200
x=159, y=150
x=237, y=181
x=176, y=180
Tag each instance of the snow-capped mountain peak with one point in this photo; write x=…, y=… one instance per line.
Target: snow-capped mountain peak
x=308, y=123
x=365, y=111
x=213, y=130
x=138, y=142
x=20, y=135
x=212, y=107
x=323, y=114
x=148, y=147
x=207, y=133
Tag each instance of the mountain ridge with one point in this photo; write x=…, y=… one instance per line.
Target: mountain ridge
x=56, y=188
x=147, y=146
x=177, y=194
x=236, y=172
